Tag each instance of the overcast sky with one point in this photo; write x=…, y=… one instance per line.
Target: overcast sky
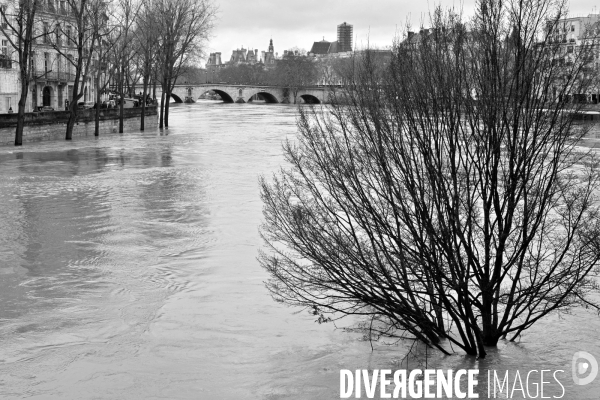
x=299, y=23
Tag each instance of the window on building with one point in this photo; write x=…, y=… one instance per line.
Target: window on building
x=4, y=60
x=32, y=63
x=69, y=39
x=58, y=36
x=8, y=103
x=46, y=33
x=46, y=62
x=569, y=49
x=572, y=28
x=3, y=17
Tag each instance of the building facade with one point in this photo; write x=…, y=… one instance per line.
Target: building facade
x=242, y=56
x=53, y=72
x=268, y=57
x=574, y=35
x=9, y=71
x=53, y=54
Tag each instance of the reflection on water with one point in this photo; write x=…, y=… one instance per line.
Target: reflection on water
x=128, y=270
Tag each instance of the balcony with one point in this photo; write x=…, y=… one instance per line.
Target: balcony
x=53, y=76
x=5, y=62
x=61, y=9
x=47, y=7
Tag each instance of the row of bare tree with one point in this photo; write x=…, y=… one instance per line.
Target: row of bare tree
x=114, y=44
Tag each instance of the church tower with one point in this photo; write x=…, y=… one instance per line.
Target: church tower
x=271, y=48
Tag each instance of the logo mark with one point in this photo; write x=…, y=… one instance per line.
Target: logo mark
x=584, y=363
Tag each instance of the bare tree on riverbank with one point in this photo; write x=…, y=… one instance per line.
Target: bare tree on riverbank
x=183, y=26
x=444, y=198
x=106, y=67
x=75, y=39
x=17, y=24
x=146, y=36
x=126, y=17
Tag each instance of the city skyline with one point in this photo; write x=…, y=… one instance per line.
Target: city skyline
x=290, y=24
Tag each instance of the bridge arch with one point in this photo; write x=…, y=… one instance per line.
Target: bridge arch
x=224, y=95
x=176, y=98
x=310, y=99
x=266, y=96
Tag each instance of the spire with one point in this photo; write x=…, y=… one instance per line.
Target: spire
x=271, y=48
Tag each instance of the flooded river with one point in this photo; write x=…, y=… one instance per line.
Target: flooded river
x=128, y=271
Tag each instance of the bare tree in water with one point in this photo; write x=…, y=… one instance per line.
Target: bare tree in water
x=444, y=197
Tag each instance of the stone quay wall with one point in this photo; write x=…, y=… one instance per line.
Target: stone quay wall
x=52, y=125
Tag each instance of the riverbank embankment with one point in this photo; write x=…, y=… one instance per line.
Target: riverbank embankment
x=52, y=125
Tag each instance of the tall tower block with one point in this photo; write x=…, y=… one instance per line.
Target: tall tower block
x=344, y=37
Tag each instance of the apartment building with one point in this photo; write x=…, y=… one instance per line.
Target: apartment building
x=572, y=33
x=9, y=73
x=52, y=72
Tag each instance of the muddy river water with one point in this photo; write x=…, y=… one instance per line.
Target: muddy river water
x=128, y=271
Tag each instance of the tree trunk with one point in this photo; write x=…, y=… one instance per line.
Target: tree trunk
x=167, y=104
x=154, y=89
x=143, y=117
x=71, y=121
x=481, y=353
x=97, y=113
x=489, y=328
x=122, y=102
x=21, y=112
x=169, y=86
x=72, y=115
x=162, y=107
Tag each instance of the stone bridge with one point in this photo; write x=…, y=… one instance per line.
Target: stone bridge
x=246, y=93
